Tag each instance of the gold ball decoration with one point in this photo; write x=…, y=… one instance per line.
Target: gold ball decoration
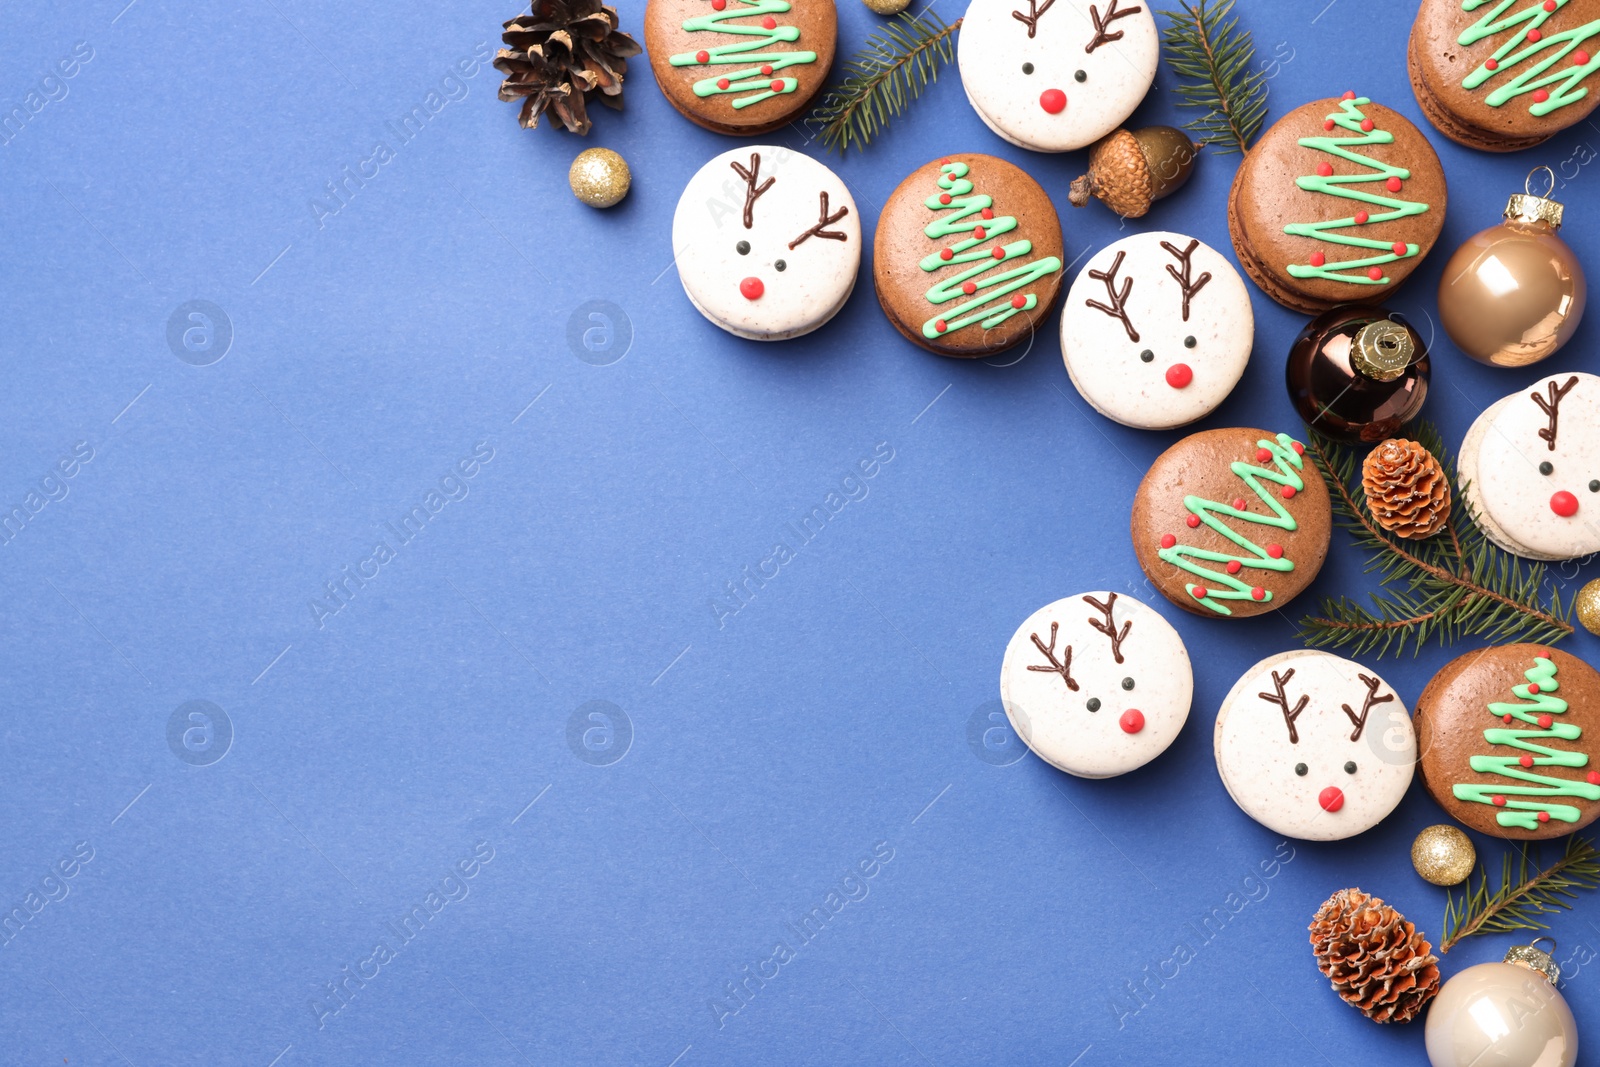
x=886, y=7
x=1443, y=855
x=1589, y=607
x=599, y=177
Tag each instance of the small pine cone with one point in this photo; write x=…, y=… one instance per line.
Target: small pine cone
x=1374, y=959
x=561, y=55
x=1406, y=489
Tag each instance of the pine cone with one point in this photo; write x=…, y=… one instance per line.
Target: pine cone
x=1375, y=960
x=560, y=54
x=1406, y=489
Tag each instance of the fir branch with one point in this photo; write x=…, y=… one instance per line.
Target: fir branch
x=1455, y=584
x=1213, y=58
x=883, y=79
x=1524, y=898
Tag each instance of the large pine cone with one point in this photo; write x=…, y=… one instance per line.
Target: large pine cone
x=1406, y=489
x=1374, y=958
x=560, y=54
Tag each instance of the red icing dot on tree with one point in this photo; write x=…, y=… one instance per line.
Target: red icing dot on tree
x=944, y=198
x=769, y=23
x=1545, y=721
x=1167, y=540
x=777, y=85
x=1549, y=5
x=1535, y=36
x=1540, y=96
x=999, y=253
x=1526, y=761
x=943, y=161
x=702, y=56
x=1533, y=689
x=1179, y=375
x=946, y=253
x=1238, y=503
x=969, y=287
x=1367, y=125
x=1262, y=455
x=1275, y=550
x=1201, y=592
x=1361, y=218
x=1491, y=64
x=1331, y=798
x=1399, y=248
x=1193, y=521
x=1394, y=185
x=1234, y=566
x=1325, y=169
x=1318, y=259
x=1258, y=593
x=1299, y=449
x=1053, y=100
x=1327, y=124
x=1564, y=504
x=1132, y=721
x=1349, y=94
x=1580, y=57
x=979, y=233
x=1019, y=301
x=766, y=68
x=723, y=83
x=718, y=5
x=1505, y=718
x=1594, y=777
x=752, y=288
x=988, y=212
x=940, y=326
x=1544, y=816
x=1375, y=273
x=1498, y=801
x=1287, y=492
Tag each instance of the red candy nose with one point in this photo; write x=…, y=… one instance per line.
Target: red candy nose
x=752, y=288
x=1564, y=504
x=1179, y=375
x=1053, y=101
x=1331, y=798
x=1132, y=721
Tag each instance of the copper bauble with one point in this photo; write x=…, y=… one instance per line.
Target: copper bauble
x=1514, y=294
x=1358, y=374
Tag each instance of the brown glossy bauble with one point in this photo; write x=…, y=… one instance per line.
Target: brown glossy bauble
x=1514, y=294
x=1358, y=374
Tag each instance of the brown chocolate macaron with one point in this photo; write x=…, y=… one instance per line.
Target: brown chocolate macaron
x=967, y=258
x=1501, y=78
x=1508, y=738
x=1337, y=203
x=741, y=67
x=1232, y=522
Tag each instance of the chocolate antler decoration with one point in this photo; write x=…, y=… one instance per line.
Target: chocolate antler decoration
x=1108, y=625
x=751, y=189
x=1063, y=668
x=1184, y=257
x=1031, y=19
x=824, y=220
x=1101, y=34
x=1372, y=698
x=1118, y=308
x=1282, y=700
x=1552, y=407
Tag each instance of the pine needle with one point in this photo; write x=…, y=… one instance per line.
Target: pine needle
x=1213, y=58
x=1522, y=898
x=883, y=79
x=1453, y=585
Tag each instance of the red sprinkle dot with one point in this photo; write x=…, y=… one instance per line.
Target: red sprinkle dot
x=1545, y=721
x=939, y=326
x=766, y=68
x=1399, y=248
x=1505, y=718
x=1318, y=259
x=769, y=23
x=1564, y=504
x=1526, y=761
x=1019, y=301
x=1053, y=100
x=1258, y=593
x=1234, y=566
x=1594, y=777
x=1299, y=449
x=1328, y=124
x=1580, y=57
x=979, y=233
x=969, y=287
x=1132, y=721
x=944, y=198
x=752, y=288
x=1238, y=503
x=1200, y=592
x=1331, y=798
x=1549, y=5
x=1535, y=36
x=1361, y=218
x=946, y=254
x=1394, y=184
x=1491, y=64
x=1533, y=689
x=1544, y=816
x=1167, y=540
x=944, y=161
x=722, y=83
x=1275, y=550
x=1262, y=455
x=1349, y=94
x=1540, y=96
x=1367, y=125
x=988, y=212
x=1375, y=273
x=1325, y=169
x=1193, y=521
x=718, y=5
x=1498, y=801
x=1287, y=492
x=702, y=56
x=1179, y=375
x=777, y=85
x=999, y=253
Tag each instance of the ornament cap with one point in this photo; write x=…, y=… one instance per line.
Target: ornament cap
x=1536, y=959
x=1527, y=206
x=1382, y=350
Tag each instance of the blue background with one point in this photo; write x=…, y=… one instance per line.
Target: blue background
x=374, y=348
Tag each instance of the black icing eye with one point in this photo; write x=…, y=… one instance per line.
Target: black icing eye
x=743, y=248
x=1127, y=683
x=1594, y=485
x=1094, y=704
x=1350, y=768
x=1547, y=467
x=1189, y=342
x=780, y=265
x=1148, y=356
x=1027, y=68
x=1080, y=76
x=1300, y=769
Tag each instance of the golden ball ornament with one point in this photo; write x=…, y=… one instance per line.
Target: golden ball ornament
x=1589, y=606
x=1443, y=855
x=886, y=7
x=599, y=177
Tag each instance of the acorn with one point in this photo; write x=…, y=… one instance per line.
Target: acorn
x=1130, y=171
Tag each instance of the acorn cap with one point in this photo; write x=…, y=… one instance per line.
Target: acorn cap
x=1131, y=170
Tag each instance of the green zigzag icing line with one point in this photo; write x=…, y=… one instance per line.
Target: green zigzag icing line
x=749, y=78
x=1563, y=85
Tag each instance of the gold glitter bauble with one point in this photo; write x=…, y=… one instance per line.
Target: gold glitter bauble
x=887, y=7
x=599, y=177
x=1443, y=855
x=1589, y=606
